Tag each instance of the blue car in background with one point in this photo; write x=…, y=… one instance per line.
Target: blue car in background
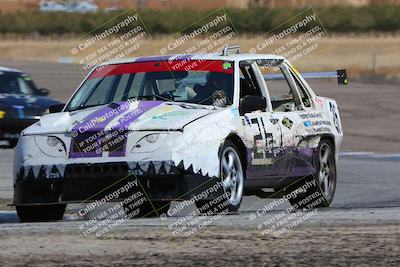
x=21, y=103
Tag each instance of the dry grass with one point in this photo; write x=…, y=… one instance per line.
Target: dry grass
x=353, y=53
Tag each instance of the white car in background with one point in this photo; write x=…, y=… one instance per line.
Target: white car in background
x=180, y=124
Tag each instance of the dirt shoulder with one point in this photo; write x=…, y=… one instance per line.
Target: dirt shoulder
x=333, y=237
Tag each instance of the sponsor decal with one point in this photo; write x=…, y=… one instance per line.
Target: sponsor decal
x=164, y=116
x=226, y=65
x=166, y=108
x=156, y=66
x=311, y=116
x=288, y=123
x=318, y=130
x=316, y=123
x=235, y=112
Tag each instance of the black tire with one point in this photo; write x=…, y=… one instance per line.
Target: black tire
x=232, y=179
x=147, y=209
x=41, y=213
x=322, y=184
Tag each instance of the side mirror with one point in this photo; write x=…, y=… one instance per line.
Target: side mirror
x=251, y=103
x=42, y=92
x=56, y=108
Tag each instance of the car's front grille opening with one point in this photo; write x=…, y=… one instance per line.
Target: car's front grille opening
x=96, y=170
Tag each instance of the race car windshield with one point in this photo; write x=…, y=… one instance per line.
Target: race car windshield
x=16, y=83
x=192, y=81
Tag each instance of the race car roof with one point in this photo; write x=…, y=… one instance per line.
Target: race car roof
x=5, y=69
x=231, y=57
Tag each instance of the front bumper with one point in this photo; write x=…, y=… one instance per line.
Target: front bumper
x=89, y=182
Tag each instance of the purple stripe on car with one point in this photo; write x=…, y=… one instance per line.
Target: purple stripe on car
x=122, y=125
x=85, y=133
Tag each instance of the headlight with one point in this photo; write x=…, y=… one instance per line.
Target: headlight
x=51, y=146
x=152, y=138
x=53, y=141
x=149, y=143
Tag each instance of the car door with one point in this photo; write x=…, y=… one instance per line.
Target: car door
x=290, y=105
x=261, y=130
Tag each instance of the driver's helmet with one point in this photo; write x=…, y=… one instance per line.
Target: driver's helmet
x=215, y=80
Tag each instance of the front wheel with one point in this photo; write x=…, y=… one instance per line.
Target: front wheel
x=41, y=213
x=320, y=187
x=232, y=179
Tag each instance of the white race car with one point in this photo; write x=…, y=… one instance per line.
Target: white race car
x=179, y=127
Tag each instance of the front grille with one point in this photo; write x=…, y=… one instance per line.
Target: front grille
x=117, y=169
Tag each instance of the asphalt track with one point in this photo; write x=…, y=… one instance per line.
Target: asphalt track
x=363, y=182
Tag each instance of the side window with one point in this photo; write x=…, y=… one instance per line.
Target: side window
x=305, y=97
x=248, y=81
x=23, y=86
x=281, y=87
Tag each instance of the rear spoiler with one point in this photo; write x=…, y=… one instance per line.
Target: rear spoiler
x=341, y=75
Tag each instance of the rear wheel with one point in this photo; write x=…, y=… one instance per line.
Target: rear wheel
x=321, y=186
x=232, y=179
x=41, y=213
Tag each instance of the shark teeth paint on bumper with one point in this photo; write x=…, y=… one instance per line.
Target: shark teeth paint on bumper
x=58, y=171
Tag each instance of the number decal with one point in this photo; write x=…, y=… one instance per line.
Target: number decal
x=335, y=116
x=258, y=139
x=263, y=143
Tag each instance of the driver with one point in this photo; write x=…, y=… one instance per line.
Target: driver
x=204, y=93
x=9, y=86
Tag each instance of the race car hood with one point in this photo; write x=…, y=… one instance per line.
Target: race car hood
x=123, y=116
x=28, y=105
